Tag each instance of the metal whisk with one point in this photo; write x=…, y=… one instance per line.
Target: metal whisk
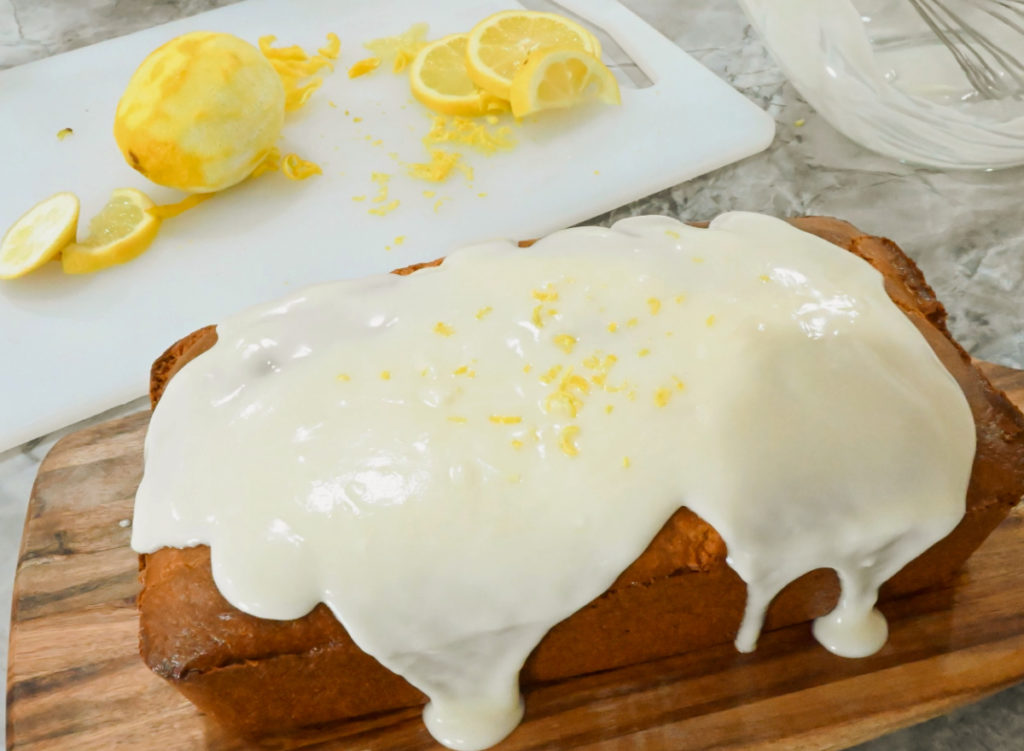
x=993, y=70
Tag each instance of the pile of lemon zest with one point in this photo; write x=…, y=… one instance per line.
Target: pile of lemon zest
x=626, y=462
x=710, y=320
x=551, y=375
x=567, y=440
x=632, y=322
x=443, y=329
x=293, y=65
x=480, y=314
x=169, y=210
x=385, y=375
x=344, y=377
x=565, y=342
x=456, y=418
x=437, y=169
x=385, y=209
x=363, y=67
x=662, y=396
x=64, y=133
x=517, y=444
x=295, y=167
x=673, y=234
x=613, y=327
x=644, y=352
x=358, y=198
x=466, y=131
x=654, y=304
x=401, y=48
x=505, y=419
x=548, y=294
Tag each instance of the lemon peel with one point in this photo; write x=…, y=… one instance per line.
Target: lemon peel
x=64, y=133
x=39, y=235
x=122, y=230
x=169, y=210
x=438, y=169
x=364, y=67
x=290, y=165
x=293, y=64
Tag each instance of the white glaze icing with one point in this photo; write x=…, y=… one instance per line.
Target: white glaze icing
x=416, y=452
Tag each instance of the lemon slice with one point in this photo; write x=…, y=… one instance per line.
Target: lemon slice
x=499, y=45
x=561, y=77
x=39, y=235
x=122, y=230
x=438, y=78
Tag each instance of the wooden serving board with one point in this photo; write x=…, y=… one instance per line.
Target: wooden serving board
x=76, y=681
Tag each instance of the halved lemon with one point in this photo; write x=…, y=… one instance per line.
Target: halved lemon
x=122, y=230
x=39, y=235
x=438, y=78
x=561, y=77
x=500, y=44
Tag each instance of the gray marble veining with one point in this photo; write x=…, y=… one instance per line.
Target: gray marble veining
x=966, y=231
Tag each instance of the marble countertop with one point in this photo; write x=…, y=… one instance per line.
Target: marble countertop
x=965, y=230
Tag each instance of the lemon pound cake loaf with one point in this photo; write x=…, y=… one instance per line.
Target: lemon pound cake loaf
x=523, y=464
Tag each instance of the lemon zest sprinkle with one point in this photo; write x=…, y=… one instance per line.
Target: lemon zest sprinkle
x=567, y=441
x=505, y=419
x=613, y=327
x=344, y=377
x=644, y=352
x=483, y=312
x=662, y=396
x=363, y=67
x=673, y=234
x=64, y=133
x=626, y=462
x=443, y=329
x=654, y=304
x=632, y=322
x=565, y=342
x=710, y=320
x=385, y=209
x=385, y=375
x=517, y=444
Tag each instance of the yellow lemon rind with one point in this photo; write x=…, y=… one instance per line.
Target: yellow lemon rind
x=81, y=258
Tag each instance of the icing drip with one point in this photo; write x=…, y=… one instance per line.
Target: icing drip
x=457, y=460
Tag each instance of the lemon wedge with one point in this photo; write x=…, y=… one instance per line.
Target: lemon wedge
x=39, y=235
x=500, y=44
x=561, y=77
x=122, y=230
x=438, y=79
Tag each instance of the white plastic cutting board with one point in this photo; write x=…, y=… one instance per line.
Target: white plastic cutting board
x=71, y=347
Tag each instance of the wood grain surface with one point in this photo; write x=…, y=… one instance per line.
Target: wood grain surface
x=75, y=679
